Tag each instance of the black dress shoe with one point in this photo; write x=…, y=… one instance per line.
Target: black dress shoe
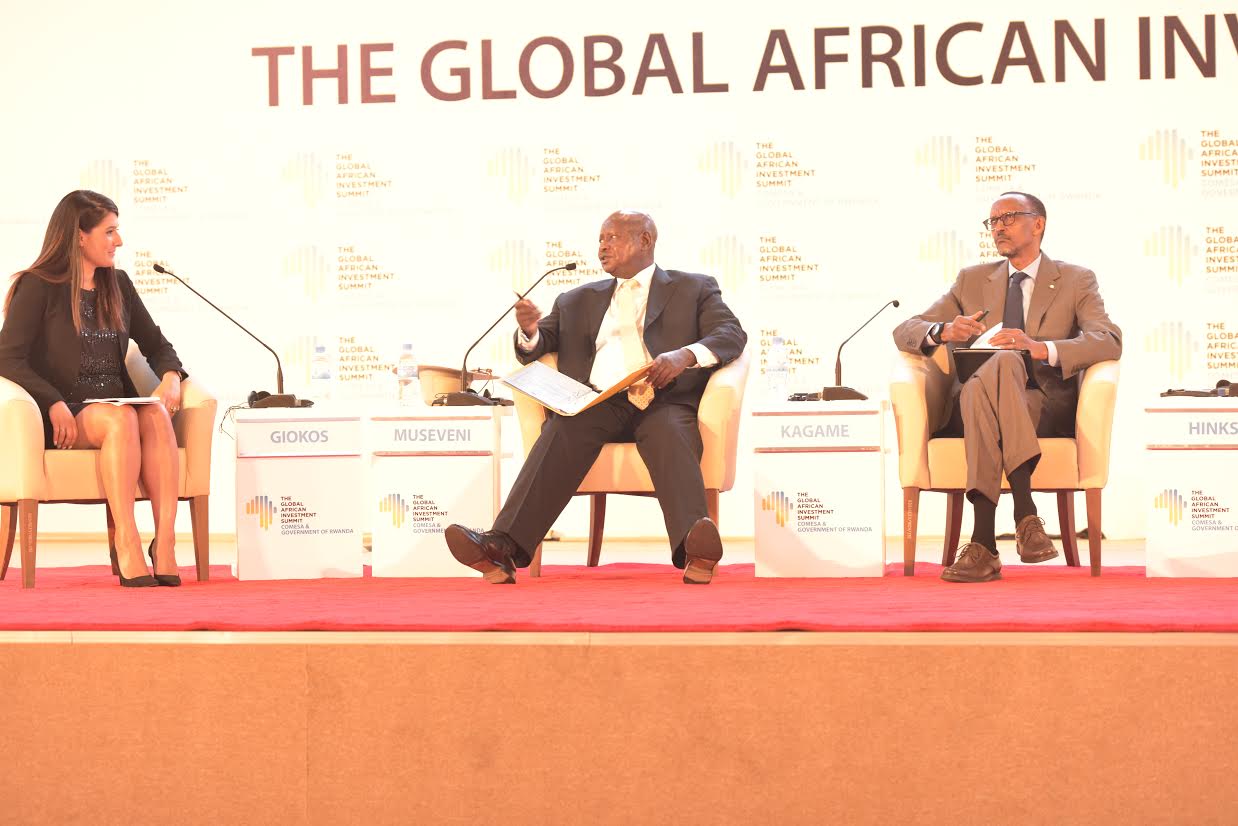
x=170, y=580
x=702, y=548
x=490, y=552
x=678, y=558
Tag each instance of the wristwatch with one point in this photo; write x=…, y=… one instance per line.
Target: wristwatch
x=934, y=332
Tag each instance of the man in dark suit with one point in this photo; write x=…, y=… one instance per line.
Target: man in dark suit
x=1049, y=308
x=602, y=331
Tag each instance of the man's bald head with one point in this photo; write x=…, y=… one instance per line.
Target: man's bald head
x=636, y=221
x=626, y=242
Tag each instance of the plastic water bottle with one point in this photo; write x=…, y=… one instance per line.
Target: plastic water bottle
x=320, y=373
x=408, y=391
x=776, y=370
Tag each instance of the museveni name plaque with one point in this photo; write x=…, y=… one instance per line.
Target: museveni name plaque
x=428, y=470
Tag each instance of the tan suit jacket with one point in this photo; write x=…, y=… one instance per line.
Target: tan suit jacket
x=1066, y=308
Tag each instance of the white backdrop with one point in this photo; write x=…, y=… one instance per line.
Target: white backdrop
x=365, y=224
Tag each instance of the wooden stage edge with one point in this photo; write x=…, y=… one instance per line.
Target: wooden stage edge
x=328, y=728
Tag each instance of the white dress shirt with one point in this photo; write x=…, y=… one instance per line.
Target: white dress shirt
x=608, y=363
x=1028, y=287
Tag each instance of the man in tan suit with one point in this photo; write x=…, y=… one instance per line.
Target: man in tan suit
x=1049, y=308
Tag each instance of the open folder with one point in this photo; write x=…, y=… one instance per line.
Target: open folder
x=563, y=394
x=967, y=361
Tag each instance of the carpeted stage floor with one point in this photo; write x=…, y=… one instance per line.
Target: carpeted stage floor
x=631, y=597
x=566, y=725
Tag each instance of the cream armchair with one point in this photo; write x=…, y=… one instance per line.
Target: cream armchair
x=920, y=395
x=30, y=476
x=619, y=468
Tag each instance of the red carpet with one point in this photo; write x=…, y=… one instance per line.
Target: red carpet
x=630, y=597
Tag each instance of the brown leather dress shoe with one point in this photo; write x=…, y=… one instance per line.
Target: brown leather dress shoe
x=702, y=550
x=974, y=564
x=1033, y=543
x=489, y=552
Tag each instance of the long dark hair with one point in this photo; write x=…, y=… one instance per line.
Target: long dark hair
x=60, y=261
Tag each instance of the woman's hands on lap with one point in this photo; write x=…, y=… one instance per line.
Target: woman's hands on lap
x=169, y=393
x=64, y=426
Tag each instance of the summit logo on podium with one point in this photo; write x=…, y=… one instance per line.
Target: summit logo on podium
x=264, y=509
x=394, y=504
x=1172, y=503
x=781, y=504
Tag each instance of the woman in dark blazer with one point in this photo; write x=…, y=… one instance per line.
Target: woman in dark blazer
x=68, y=319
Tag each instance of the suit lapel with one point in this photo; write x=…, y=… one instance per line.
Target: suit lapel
x=1043, y=293
x=660, y=289
x=995, y=294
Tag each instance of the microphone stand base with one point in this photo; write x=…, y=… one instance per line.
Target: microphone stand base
x=276, y=400
x=467, y=398
x=841, y=394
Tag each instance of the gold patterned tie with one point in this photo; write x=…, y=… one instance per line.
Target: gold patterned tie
x=634, y=354
x=641, y=394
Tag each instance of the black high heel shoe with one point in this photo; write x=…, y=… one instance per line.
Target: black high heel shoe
x=170, y=580
x=143, y=581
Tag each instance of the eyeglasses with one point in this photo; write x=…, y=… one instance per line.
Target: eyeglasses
x=1006, y=218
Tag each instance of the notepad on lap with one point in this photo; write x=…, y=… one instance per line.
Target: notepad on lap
x=125, y=400
x=563, y=394
x=967, y=361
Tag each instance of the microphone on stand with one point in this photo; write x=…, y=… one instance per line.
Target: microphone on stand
x=466, y=396
x=838, y=392
x=259, y=398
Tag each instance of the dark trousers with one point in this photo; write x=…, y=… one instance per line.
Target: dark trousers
x=667, y=437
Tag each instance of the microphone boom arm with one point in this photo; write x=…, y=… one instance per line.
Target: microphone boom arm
x=279, y=368
x=467, y=396
x=838, y=392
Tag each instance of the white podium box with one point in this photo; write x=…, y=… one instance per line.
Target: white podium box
x=428, y=469
x=298, y=503
x=1192, y=453
x=820, y=489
